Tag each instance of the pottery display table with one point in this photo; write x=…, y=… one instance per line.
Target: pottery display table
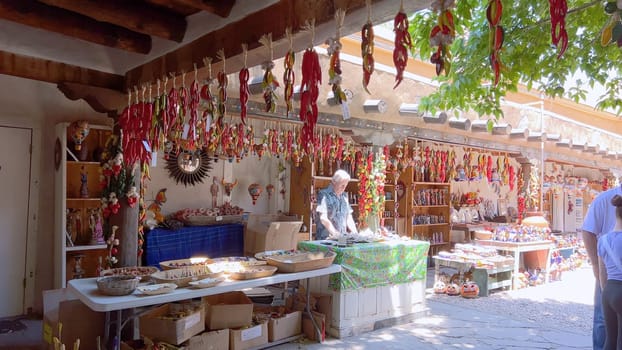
x=380, y=284
x=540, y=253
x=487, y=278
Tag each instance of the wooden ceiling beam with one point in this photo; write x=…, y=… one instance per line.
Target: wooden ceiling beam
x=56, y=72
x=220, y=8
x=272, y=19
x=38, y=15
x=139, y=17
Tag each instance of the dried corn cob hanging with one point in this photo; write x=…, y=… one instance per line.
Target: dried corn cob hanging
x=269, y=83
x=288, y=75
x=367, y=48
x=244, y=86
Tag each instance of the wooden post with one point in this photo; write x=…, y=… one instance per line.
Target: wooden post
x=127, y=221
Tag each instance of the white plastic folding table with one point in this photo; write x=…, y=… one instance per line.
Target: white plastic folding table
x=86, y=290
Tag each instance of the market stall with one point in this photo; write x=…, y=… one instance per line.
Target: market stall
x=378, y=283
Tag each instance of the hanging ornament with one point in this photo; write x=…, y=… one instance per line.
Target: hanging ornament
x=558, y=10
x=78, y=131
x=367, y=48
x=334, y=70
x=228, y=186
x=310, y=90
x=222, y=89
x=442, y=35
x=269, y=83
x=270, y=190
x=244, y=85
x=403, y=43
x=497, y=35
x=288, y=75
x=254, y=190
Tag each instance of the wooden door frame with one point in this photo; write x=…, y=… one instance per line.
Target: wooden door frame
x=33, y=203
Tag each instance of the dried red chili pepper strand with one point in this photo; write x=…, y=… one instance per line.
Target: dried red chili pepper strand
x=311, y=79
x=367, y=52
x=558, y=10
x=402, y=45
x=172, y=107
x=244, y=75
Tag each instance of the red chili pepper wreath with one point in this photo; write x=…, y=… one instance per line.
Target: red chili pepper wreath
x=403, y=43
x=243, y=93
x=558, y=10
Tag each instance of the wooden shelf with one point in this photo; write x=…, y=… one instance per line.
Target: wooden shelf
x=424, y=225
x=439, y=244
x=86, y=247
x=84, y=199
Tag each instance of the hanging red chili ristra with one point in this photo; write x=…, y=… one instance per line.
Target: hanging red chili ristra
x=558, y=10
x=172, y=113
x=289, y=79
x=367, y=52
x=403, y=43
x=208, y=114
x=497, y=34
x=310, y=89
x=243, y=93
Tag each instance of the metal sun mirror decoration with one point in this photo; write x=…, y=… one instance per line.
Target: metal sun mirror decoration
x=188, y=167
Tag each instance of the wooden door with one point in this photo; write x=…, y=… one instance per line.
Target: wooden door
x=14, y=193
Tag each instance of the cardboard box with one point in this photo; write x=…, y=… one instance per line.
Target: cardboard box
x=214, y=340
x=174, y=331
x=307, y=325
x=228, y=310
x=60, y=306
x=270, y=232
x=241, y=339
x=324, y=305
x=285, y=327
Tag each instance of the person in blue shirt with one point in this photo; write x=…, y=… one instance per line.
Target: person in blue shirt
x=600, y=219
x=334, y=210
x=610, y=269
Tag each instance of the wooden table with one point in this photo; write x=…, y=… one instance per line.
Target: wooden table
x=86, y=290
x=517, y=248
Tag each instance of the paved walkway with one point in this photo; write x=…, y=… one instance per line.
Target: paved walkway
x=455, y=323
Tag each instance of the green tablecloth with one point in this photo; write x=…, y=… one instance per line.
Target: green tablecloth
x=366, y=265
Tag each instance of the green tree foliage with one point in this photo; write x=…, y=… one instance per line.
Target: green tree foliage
x=527, y=55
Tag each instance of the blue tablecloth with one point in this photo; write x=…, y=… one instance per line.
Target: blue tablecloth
x=212, y=241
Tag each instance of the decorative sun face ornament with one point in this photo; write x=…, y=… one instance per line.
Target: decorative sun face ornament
x=188, y=167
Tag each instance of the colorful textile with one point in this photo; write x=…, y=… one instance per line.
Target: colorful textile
x=367, y=265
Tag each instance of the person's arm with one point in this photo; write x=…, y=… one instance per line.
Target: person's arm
x=323, y=210
x=590, y=241
x=351, y=224
x=603, y=274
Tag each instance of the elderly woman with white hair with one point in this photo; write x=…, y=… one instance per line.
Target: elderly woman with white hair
x=334, y=210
